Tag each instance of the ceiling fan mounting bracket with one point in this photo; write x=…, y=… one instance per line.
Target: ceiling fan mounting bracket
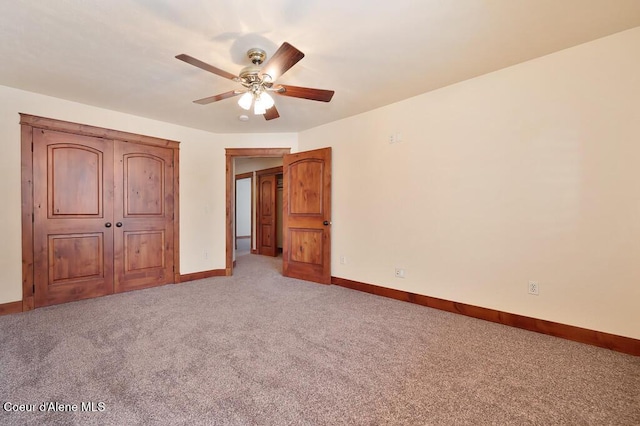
x=257, y=56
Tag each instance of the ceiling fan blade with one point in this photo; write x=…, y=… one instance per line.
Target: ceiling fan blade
x=216, y=98
x=271, y=113
x=285, y=57
x=305, y=93
x=203, y=65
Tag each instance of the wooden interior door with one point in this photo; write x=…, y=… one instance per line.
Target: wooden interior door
x=307, y=216
x=267, y=215
x=72, y=217
x=143, y=206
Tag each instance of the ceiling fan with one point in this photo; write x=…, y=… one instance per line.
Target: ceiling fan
x=259, y=81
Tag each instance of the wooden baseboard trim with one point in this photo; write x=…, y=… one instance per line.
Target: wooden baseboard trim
x=28, y=304
x=202, y=275
x=614, y=342
x=11, y=308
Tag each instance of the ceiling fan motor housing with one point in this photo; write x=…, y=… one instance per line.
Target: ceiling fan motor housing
x=257, y=56
x=250, y=75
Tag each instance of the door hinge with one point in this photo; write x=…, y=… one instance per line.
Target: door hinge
x=33, y=217
x=31, y=146
x=33, y=289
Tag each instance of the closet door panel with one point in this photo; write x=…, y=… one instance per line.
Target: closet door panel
x=143, y=209
x=72, y=218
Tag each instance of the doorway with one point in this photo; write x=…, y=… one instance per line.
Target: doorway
x=231, y=155
x=306, y=209
x=258, y=206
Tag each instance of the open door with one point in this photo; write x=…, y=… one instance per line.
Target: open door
x=306, y=252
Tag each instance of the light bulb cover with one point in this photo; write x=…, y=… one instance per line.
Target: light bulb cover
x=245, y=101
x=258, y=107
x=266, y=100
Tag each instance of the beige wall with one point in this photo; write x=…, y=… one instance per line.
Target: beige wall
x=528, y=173
x=202, y=178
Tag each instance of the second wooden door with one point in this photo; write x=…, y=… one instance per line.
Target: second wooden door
x=267, y=215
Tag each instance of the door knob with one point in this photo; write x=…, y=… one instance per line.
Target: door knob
x=326, y=222
x=107, y=225
x=119, y=224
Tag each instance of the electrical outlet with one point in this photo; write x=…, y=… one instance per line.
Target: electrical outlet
x=206, y=254
x=400, y=273
x=395, y=137
x=534, y=288
x=343, y=259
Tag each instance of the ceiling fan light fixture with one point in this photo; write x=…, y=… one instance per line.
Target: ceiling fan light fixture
x=245, y=101
x=258, y=108
x=258, y=78
x=266, y=100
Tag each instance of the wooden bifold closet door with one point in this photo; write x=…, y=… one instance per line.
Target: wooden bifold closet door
x=143, y=212
x=102, y=216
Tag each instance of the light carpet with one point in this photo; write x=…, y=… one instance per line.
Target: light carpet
x=261, y=349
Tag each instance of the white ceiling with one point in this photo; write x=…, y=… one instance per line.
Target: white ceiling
x=119, y=54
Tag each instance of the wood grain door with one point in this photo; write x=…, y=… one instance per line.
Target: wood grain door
x=143, y=206
x=307, y=216
x=72, y=217
x=267, y=215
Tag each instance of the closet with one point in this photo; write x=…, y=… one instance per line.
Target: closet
x=103, y=210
